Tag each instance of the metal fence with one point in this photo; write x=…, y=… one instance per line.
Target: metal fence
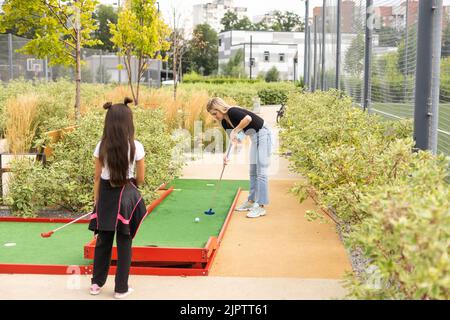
x=98, y=66
x=369, y=50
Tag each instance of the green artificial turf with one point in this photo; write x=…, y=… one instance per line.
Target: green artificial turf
x=172, y=223
x=64, y=247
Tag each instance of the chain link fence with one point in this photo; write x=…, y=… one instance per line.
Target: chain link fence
x=98, y=66
x=338, y=49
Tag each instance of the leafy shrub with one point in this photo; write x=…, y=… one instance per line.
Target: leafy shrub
x=242, y=94
x=272, y=75
x=196, y=78
x=273, y=96
x=392, y=203
x=406, y=238
x=68, y=179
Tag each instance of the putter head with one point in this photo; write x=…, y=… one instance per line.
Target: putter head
x=210, y=212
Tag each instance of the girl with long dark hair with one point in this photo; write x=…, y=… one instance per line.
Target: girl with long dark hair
x=119, y=207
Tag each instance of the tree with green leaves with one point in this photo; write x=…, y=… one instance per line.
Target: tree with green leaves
x=235, y=66
x=287, y=21
x=61, y=29
x=388, y=37
x=261, y=26
x=406, y=54
x=244, y=24
x=272, y=75
x=104, y=15
x=203, y=50
x=140, y=32
x=229, y=20
x=354, y=58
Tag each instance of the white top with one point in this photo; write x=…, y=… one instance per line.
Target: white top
x=138, y=155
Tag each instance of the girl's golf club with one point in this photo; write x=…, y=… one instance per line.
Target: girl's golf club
x=49, y=234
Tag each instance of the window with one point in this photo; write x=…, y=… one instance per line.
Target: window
x=281, y=57
x=220, y=42
x=252, y=62
x=266, y=56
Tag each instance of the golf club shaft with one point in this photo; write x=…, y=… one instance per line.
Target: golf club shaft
x=73, y=221
x=221, y=175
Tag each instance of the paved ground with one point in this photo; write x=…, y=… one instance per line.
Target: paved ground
x=279, y=256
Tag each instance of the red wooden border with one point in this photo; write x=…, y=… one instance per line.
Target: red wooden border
x=227, y=221
x=222, y=232
x=43, y=269
x=87, y=270
x=52, y=220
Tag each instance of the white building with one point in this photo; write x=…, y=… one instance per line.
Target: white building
x=283, y=50
x=268, y=49
x=212, y=13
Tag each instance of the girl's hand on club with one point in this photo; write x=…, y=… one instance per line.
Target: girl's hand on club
x=225, y=160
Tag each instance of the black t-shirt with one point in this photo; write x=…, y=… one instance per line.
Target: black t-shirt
x=237, y=114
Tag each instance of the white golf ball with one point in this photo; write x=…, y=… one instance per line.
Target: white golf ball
x=11, y=244
x=197, y=219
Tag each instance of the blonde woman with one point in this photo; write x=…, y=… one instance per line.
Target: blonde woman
x=235, y=120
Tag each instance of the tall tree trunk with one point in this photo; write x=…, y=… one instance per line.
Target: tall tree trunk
x=174, y=73
x=139, y=74
x=78, y=75
x=130, y=80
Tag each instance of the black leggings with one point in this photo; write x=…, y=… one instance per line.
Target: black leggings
x=102, y=259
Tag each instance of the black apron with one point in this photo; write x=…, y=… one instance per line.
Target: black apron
x=120, y=209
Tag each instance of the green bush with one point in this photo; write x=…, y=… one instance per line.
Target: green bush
x=196, y=78
x=407, y=235
x=273, y=96
x=67, y=180
x=244, y=94
x=392, y=203
x=272, y=75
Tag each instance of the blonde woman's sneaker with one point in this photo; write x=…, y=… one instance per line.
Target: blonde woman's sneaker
x=256, y=212
x=95, y=289
x=246, y=206
x=118, y=295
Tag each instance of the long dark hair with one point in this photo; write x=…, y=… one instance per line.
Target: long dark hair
x=118, y=134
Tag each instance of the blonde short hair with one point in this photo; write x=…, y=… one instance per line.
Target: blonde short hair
x=217, y=104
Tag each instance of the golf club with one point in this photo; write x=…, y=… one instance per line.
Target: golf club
x=210, y=211
x=49, y=234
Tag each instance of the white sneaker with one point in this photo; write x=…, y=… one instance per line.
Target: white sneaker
x=118, y=295
x=95, y=289
x=256, y=212
x=247, y=206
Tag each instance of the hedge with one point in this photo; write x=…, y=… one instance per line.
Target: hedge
x=67, y=180
x=392, y=203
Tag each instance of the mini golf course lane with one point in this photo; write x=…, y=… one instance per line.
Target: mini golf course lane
x=172, y=223
x=62, y=248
